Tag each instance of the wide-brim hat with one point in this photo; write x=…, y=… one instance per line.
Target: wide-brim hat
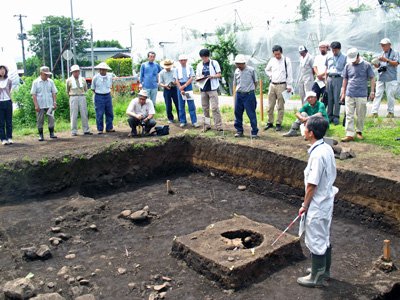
x=103, y=66
x=45, y=70
x=75, y=68
x=143, y=93
x=167, y=63
x=240, y=59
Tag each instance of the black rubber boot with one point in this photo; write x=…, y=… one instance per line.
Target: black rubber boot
x=315, y=278
x=41, y=137
x=52, y=136
x=328, y=254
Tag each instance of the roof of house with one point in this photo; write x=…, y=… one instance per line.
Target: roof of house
x=107, y=49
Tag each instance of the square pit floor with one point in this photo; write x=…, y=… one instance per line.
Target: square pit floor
x=237, y=252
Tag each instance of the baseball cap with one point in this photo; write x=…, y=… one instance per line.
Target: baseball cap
x=385, y=41
x=352, y=54
x=45, y=70
x=302, y=48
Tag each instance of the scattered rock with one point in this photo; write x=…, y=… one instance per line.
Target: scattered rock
x=93, y=227
x=70, y=256
x=29, y=252
x=58, y=220
x=125, y=213
x=161, y=287
x=132, y=285
x=76, y=291
x=21, y=288
x=139, y=216
x=43, y=252
x=64, y=236
x=121, y=271
x=51, y=285
x=385, y=266
x=55, y=229
x=212, y=174
x=64, y=270
x=242, y=187
x=153, y=296
x=86, y=297
x=162, y=295
x=79, y=278
x=71, y=280
x=84, y=282
x=55, y=241
x=230, y=258
x=51, y=296
x=50, y=269
x=165, y=278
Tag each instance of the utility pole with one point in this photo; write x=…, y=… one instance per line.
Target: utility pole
x=73, y=34
x=51, y=51
x=22, y=37
x=43, y=58
x=61, y=50
x=91, y=50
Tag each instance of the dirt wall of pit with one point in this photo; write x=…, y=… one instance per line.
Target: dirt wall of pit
x=364, y=197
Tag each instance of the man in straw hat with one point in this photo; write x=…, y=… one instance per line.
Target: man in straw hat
x=76, y=89
x=44, y=94
x=166, y=80
x=101, y=85
x=141, y=111
x=245, y=80
x=356, y=74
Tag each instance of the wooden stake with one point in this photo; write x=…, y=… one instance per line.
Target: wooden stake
x=386, y=250
x=261, y=101
x=169, y=189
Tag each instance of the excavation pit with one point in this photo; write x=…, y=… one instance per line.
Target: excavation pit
x=237, y=252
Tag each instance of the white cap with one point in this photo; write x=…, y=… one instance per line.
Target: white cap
x=352, y=55
x=240, y=59
x=183, y=57
x=75, y=68
x=103, y=65
x=302, y=48
x=143, y=93
x=385, y=41
x=310, y=94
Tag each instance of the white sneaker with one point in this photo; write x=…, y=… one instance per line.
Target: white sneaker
x=196, y=125
x=10, y=141
x=4, y=142
x=182, y=125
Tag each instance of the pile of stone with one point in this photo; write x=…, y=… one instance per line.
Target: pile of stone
x=41, y=252
x=138, y=216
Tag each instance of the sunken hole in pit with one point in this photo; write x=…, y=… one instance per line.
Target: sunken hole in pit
x=250, y=239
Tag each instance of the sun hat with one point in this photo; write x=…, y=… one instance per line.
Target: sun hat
x=75, y=68
x=167, y=63
x=103, y=66
x=143, y=93
x=240, y=59
x=183, y=57
x=45, y=70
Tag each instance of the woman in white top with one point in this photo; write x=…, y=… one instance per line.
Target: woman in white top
x=5, y=107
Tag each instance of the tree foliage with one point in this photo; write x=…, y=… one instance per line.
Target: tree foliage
x=223, y=51
x=305, y=10
x=105, y=43
x=53, y=23
x=362, y=7
x=120, y=66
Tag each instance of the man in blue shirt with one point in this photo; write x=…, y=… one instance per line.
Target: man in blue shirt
x=335, y=64
x=149, y=76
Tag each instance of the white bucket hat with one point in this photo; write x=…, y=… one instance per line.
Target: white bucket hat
x=240, y=59
x=183, y=57
x=75, y=68
x=102, y=65
x=310, y=94
x=143, y=93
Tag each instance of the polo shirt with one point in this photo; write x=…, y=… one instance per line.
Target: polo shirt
x=102, y=84
x=167, y=77
x=149, y=75
x=144, y=110
x=357, y=79
x=391, y=73
x=319, y=107
x=44, y=90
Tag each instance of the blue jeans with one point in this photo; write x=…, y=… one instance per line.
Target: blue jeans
x=182, y=111
x=152, y=94
x=169, y=96
x=248, y=102
x=6, y=120
x=103, y=106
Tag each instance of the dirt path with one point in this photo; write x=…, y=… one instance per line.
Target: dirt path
x=144, y=250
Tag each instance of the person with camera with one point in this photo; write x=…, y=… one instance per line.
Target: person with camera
x=167, y=82
x=356, y=74
x=387, y=81
x=141, y=112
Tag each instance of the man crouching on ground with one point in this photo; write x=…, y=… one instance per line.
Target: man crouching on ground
x=141, y=112
x=319, y=176
x=312, y=107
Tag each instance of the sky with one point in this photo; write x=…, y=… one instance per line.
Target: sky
x=159, y=21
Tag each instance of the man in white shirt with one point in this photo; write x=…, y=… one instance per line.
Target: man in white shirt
x=141, y=112
x=279, y=70
x=320, y=71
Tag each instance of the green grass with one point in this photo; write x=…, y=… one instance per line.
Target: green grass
x=380, y=131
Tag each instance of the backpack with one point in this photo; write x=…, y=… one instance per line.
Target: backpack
x=161, y=130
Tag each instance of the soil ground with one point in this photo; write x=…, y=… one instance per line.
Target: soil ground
x=144, y=251
x=371, y=159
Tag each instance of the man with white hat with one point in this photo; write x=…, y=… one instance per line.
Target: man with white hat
x=387, y=81
x=312, y=107
x=356, y=74
x=141, y=112
x=320, y=68
x=306, y=76
x=101, y=85
x=44, y=94
x=245, y=80
x=76, y=89
x=149, y=76
x=167, y=82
